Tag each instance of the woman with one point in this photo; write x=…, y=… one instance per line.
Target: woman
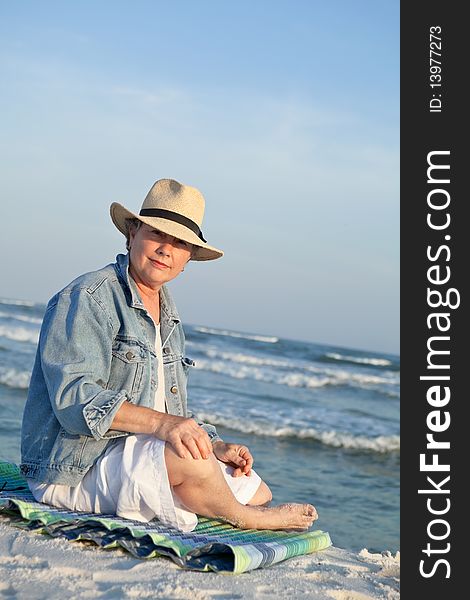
x=106, y=427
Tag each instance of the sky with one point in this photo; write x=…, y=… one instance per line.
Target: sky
x=284, y=114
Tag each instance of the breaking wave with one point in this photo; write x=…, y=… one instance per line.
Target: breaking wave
x=235, y=334
x=376, y=362
x=381, y=444
x=19, y=334
x=14, y=379
x=18, y=317
x=10, y=302
x=248, y=368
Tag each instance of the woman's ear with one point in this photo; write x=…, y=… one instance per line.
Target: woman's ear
x=132, y=230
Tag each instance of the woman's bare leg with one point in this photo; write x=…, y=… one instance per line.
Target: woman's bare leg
x=202, y=488
x=262, y=496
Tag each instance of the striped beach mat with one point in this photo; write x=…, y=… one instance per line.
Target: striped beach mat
x=212, y=546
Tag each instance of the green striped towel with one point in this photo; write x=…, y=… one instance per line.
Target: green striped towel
x=213, y=545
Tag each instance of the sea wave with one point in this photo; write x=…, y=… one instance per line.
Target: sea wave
x=19, y=334
x=235, y=334
x=386, y=377
x=11, y=302
x=337, y=439
x=320, y=379
x=18, y=317
x=251, y=372
x=345, y=377
x=376, y=362
x=14, y=378
x=249, y=359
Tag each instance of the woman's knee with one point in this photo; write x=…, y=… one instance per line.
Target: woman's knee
x=262, y=496
x=181, y=469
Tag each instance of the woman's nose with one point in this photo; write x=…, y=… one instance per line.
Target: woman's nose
x=164, y=248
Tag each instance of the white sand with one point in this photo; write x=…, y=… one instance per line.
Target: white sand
x=34, y=566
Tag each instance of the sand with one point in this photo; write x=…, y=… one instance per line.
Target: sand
x=34, y=566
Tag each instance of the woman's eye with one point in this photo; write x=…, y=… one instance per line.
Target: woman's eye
x=160, y=236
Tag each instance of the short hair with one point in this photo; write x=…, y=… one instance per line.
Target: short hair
x=131, y=224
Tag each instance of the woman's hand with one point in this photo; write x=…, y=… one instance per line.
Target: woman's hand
x=188, y=439
x=236, y=456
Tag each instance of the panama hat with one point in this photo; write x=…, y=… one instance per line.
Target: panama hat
x=175, y=209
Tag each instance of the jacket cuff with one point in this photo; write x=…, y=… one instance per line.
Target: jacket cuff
x=208, y=428
x=211, y=432
x=99, y=414
x=214, y=437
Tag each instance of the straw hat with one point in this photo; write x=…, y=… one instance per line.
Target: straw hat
x=175, y=209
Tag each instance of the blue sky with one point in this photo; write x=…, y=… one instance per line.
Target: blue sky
x=284, y=114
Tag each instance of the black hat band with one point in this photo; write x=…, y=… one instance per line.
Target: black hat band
x=173, y=216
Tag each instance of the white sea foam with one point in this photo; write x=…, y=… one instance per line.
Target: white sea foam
x=336, y=439
x=249, y=359
x=235, y=334
x=237, y=372
x=291, y=379
x=13, y=378
x=378, y=362
x=19, y=334
x=335, y=375
x=17, y=317
x=16, y=302
x=388, y=377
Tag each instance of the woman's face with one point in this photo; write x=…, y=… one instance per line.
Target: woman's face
x=156, y=257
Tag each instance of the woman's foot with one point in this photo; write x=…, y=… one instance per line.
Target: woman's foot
x=285, y=516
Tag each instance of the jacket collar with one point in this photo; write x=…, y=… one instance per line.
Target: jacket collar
x=167, y=304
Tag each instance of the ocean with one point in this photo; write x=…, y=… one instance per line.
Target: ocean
x=322, y=422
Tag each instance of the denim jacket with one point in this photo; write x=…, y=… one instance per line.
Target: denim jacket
x=96, y=350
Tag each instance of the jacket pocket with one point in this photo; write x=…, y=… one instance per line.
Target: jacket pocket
x=184, y=366
x=127, y=366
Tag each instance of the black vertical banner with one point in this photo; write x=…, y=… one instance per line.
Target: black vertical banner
x=434, y=300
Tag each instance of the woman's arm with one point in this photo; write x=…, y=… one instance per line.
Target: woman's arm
x=75, y=349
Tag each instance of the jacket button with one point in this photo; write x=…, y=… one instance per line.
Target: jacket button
x=173, y=389
x=129, y=355
x=166, y=350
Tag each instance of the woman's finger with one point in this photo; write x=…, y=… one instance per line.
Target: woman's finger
x=204, y=449
x=179, y=448
x=246, y=454
x=192, y=446
x=237, y=460
x=209, y=447
x=237, y=472
x=203, y=443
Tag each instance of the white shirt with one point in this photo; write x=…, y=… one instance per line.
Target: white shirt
x=160, y=403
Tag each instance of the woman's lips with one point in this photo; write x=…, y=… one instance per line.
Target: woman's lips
x=159, y=264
